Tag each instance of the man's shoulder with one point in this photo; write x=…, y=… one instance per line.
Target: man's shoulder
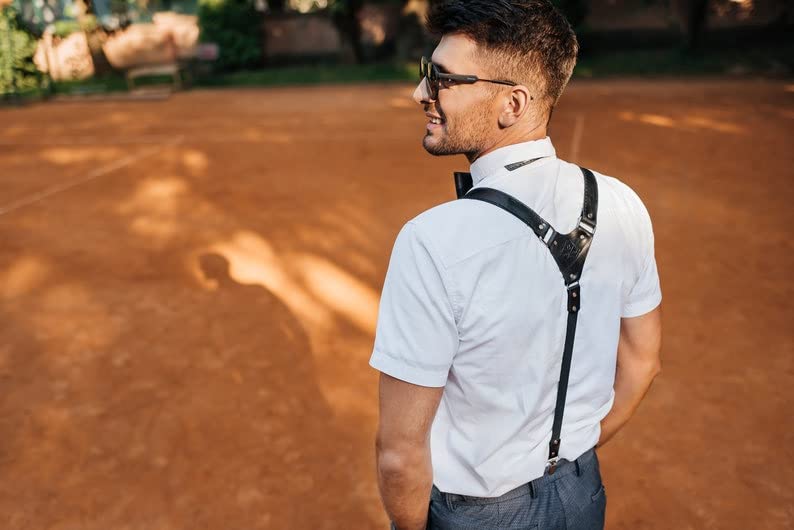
x=621, y=206
x=460, y=229
x=618, y=194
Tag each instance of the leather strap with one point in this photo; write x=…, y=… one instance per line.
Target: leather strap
x=570, y=253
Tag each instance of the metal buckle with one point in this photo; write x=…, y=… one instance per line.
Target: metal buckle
x=548, y=236
x=551, y=465
x=587, y=227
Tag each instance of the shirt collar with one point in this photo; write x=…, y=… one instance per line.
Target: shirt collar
x=496, y=161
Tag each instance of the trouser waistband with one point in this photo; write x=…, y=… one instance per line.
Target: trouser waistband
x=564, y=467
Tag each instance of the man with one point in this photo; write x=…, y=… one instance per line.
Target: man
x=475, y=318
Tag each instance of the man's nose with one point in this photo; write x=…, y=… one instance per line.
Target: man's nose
x=422, y=93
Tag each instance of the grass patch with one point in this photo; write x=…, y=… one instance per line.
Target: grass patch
x=775, y=61
x=310, y=75
x=109, y=83
x=96, y=85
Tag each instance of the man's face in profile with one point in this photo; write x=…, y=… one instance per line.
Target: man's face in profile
x=462, y=118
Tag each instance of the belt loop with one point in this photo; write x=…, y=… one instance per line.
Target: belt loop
x=532, y=492
x=448, y=500
x=578, y=469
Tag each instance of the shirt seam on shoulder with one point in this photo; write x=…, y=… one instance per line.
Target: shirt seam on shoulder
x=450, y=288
x=496, y=245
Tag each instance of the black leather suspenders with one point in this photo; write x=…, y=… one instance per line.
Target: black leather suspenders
x=569, y=252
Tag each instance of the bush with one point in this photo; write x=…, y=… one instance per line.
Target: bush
x=17, y=47
x=236, y=27
x=64, y=28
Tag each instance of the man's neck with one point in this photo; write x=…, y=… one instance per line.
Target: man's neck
x=538, y=133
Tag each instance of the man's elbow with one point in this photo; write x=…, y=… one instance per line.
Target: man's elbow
x=392, y=463
x=653, y=369
x=656, y=363
x=642, y=369
x=396, y=459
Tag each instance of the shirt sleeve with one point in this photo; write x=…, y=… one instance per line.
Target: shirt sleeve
x=644, y=294
x=416, y=336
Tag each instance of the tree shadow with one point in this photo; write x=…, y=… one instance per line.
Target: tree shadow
x=217, y=423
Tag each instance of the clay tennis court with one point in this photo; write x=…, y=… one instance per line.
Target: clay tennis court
x=189, y=290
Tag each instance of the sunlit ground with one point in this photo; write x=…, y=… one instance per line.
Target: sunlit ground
x=189, y=290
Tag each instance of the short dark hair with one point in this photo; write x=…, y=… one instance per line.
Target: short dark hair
x=526, y=41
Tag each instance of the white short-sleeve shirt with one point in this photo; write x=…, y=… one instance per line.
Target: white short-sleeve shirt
x=474, y=302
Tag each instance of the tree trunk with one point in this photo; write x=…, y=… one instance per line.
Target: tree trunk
x=346, y=20
x=277, y=6
x=692, y=16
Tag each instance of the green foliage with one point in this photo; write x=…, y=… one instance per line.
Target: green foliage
x=17, y=46
x=314, y=74
x=236, y=27
x=64, y=28
x=752, y=60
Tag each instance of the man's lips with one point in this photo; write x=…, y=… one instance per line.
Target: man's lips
x=435, y=122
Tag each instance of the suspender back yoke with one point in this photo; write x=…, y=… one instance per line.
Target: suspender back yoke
x=569, y=252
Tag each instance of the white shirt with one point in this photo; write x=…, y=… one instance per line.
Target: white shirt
x=474, y=302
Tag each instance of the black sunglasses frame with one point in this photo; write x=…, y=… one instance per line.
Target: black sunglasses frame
x=429, y=72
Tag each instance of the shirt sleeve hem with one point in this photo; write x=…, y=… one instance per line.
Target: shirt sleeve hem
x=642, y=307
x=388, y=365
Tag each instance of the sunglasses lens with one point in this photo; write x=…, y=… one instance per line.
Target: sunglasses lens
x=427, y=72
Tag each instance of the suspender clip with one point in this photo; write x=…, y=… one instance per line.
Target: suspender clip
x=587, y=227
x=551, y=465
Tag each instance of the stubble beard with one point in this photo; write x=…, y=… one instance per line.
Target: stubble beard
x=466, y=135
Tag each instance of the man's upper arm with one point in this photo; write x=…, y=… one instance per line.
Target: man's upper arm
x=642, y=291
x=641, y=339
x=406, y=413
x=416, y=341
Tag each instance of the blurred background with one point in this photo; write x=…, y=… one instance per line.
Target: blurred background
x=198, y=200
x=78, y=46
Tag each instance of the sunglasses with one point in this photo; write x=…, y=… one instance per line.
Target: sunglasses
x=430, y=73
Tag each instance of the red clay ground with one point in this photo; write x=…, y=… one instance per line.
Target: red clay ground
x=189, y=288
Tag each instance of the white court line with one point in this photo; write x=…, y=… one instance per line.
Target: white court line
x=89, y=140
x=576, y=141
x=256, y=138
x=147, y=140
x=98, y=172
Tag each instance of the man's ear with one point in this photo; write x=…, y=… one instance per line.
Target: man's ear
x=517, y=103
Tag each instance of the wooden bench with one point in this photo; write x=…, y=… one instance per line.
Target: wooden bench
x=206, y=53
x=171, y=69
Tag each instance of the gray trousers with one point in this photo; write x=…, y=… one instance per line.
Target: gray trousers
x=573, y=498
